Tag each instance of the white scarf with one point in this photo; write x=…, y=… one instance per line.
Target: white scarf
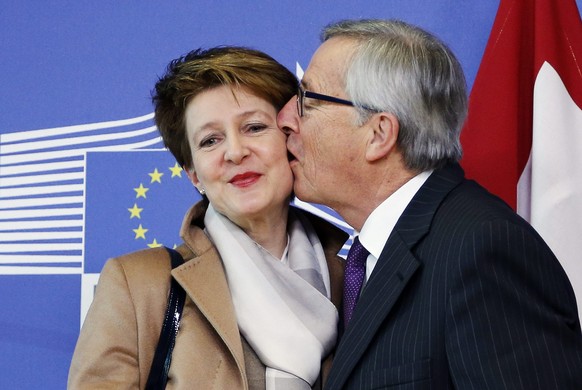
x=283, y=308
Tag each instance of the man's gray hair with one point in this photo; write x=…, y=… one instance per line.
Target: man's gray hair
x=406, y=71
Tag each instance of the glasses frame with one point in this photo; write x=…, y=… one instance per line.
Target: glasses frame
x=302, y=94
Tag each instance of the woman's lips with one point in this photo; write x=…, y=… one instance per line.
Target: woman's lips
x=245, y=179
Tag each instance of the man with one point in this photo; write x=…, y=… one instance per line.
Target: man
x=459, y=291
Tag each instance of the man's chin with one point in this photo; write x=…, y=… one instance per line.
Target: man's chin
x=301, y=188
x=300, y=192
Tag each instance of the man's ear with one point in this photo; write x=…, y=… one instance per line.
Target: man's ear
x=385, y=129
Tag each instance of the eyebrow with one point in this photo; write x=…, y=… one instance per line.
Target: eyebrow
x=242, y=116
x=305, y=84
x=252, y=112
x=308, y=86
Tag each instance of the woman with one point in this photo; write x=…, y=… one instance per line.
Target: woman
x=262, y=279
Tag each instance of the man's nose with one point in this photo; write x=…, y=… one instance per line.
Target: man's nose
x=287, y=119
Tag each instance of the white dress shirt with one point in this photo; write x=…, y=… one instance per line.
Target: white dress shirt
x=380, y=223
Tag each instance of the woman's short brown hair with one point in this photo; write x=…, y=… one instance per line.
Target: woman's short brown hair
x=201, y=70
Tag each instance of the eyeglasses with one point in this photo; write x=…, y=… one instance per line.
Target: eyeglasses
x=302, y=94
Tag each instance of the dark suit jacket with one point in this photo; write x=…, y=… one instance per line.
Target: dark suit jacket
x=465, y=295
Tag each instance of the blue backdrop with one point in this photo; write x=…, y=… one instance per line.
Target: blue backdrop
x=82, y=173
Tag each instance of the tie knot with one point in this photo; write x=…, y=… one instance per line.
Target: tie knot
x=357, y=254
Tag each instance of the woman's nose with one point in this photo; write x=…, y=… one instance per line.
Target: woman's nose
x=236, y=150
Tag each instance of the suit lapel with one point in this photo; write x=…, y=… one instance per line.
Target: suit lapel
x=395, y=267
x=381, y=292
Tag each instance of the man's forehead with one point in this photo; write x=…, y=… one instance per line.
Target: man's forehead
x=319, y=78
x=327, y=67
x=307, y=83
x=318, y=82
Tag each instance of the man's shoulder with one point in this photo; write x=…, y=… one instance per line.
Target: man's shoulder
x=471, y=200
x=470, y=208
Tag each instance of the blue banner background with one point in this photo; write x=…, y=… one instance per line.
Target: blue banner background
x=76, y=138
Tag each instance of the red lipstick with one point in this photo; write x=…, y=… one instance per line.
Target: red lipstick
x=245, y=179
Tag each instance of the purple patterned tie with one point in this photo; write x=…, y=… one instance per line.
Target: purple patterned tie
x=353, y=278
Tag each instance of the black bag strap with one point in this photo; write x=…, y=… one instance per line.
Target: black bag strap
x=163, y=356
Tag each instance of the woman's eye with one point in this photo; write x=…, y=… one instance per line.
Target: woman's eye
x=207, y=142
x=256, y=127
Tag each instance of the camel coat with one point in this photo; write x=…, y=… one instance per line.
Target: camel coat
x=120, y=333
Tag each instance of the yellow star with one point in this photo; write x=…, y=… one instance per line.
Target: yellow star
x=135, y=211
x=154, y=244
x=156, y=176
x=141, y=191
x=176, y=170
x=140, y=232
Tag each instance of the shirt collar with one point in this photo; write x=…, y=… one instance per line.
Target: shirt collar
x=380, y=223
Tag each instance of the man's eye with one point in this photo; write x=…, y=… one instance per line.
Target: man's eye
x=307, y=106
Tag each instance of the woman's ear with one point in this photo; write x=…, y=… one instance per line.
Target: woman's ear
x=384, y=129
x=194, y=179
x=192, y=176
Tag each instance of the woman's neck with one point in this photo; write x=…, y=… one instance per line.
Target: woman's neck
x=269, y=232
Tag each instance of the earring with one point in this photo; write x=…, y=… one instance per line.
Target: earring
x=202, y=191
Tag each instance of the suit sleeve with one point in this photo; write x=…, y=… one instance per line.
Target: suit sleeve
x=511, y=315
x=106, y=354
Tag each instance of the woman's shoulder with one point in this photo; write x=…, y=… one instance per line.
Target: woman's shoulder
x=151, y=266
x=140, y=269
x=141, y=260
x=327, y=232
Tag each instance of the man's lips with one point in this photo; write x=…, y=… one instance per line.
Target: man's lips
x=290, y=154
x=292, y=159
x=245, y=179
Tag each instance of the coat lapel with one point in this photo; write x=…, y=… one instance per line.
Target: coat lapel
x=204, y=281
x=395, y=267
x=202, y=277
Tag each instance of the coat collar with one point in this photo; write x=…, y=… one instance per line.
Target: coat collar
x=393, y=271
x=417, y=217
